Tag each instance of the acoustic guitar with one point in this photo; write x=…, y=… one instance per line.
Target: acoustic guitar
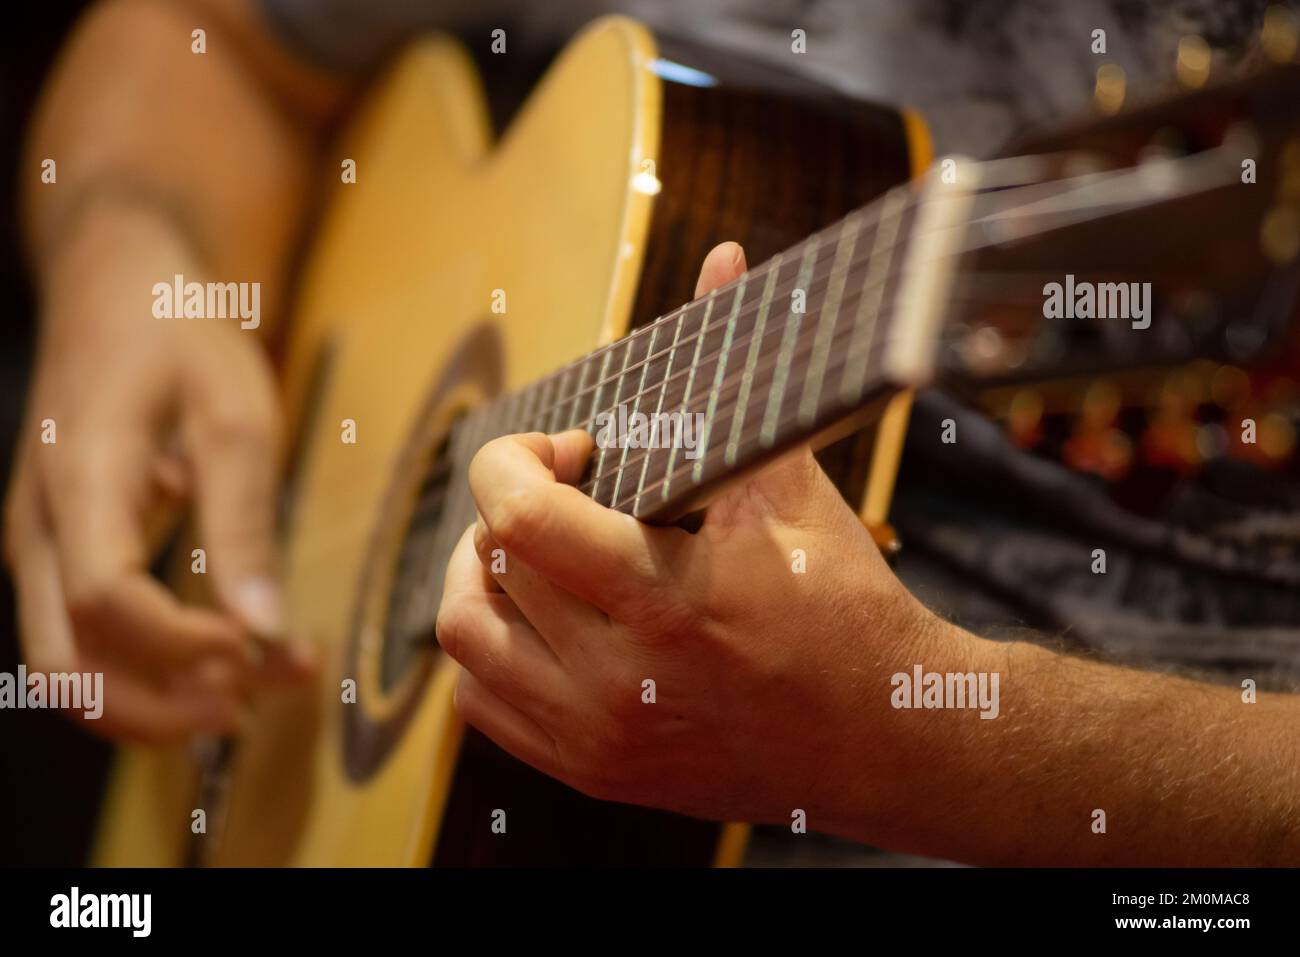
x=452, y=284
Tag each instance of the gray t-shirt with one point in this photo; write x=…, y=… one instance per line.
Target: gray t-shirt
x=979, y=70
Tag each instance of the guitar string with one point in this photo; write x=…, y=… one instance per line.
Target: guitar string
x=871, y=214
x=752, y=277
x=485, y=418
x=729, y=393
x=817, y=283
x=481, y=422
x=749, y=433
x=418, y=614
x=806, y=341
x=484, y=412
x=825, y=252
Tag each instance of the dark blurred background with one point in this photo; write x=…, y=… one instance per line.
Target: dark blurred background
x=50, y=771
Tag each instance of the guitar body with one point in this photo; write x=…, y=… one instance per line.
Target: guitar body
x=453, y=269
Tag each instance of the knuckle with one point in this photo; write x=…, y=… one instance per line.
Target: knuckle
x=89, y=603
x=517, y=520
x=241, y=428
x=449, y=629
x=484, y=544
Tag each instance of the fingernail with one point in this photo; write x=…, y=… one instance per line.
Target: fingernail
x=257, y=602
x=739, y=256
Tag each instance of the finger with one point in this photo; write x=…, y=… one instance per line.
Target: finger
x=510, y=728
x=113, y=602
x=137, y=617
x=476, y=621
x=559, y=616
x=47, y=638
x=604, y=557
x=284, y=664
x=138, y=711
x=129, y=706
x=724, y=263
x=466, y=574
x=95, y=488
x=489, y=638
x=234, y=447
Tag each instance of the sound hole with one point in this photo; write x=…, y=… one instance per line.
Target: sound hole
x=417, y=575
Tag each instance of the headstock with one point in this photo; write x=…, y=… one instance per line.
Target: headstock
x=1190, y=206
x=1156, y=189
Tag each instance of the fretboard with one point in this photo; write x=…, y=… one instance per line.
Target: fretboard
x=761, y=363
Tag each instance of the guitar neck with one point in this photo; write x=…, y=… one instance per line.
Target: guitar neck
x=808, y=339
x=784, y=352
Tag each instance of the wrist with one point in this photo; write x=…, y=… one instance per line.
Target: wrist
x=99, y=278
x=891, y=773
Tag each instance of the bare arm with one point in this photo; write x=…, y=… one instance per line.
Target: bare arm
x=167, y=162
x=777, y=693
x=220, y=145
x=1186, y=773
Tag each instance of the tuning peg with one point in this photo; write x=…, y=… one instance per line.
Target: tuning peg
x=1194, y=58
x=1278, y=37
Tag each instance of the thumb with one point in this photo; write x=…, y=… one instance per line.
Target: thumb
x=724, y=263
x=570, y=452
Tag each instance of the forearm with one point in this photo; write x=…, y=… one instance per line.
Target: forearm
x=219, y=145
x=1185, y=773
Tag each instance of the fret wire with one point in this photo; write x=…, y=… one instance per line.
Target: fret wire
x=598, y=388
x=659, y=405
x=595, y=404
x=865, y=350
x=759, y=269
x=789, y=336
x=512, y=409
x=618, y=386
x=690, y=379
x=554, y=418
x=872, y=210
x=746, y=438
x=751, y=308
x=877, y=263
x=529, y=407
x=546, y=402
x=826, y=321
x=645, y=369
x=735, y=380
x=595, y=399
x=719, y=374
x=756, y=272
x=572, y=420
x=747, y=376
